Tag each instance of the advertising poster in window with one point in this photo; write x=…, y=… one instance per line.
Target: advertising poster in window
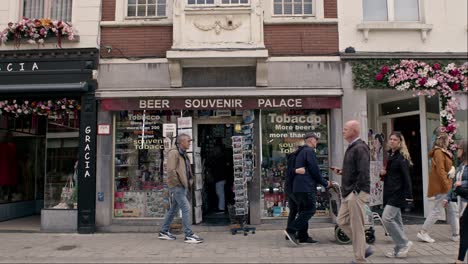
x=282, y=132
x=376, y=147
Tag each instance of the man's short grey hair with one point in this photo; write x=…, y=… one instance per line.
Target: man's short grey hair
x=180, y=136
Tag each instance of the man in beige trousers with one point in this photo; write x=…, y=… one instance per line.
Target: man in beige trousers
x=355, y=183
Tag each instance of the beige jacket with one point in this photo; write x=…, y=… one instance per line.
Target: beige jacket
x=176, y=172
x=439, y=182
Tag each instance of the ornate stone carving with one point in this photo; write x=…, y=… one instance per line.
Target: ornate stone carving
x=217, y=26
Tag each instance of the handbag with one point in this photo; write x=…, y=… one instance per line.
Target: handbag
x=67, y=191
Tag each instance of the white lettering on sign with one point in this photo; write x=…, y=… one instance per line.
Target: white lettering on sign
x=154, y=104
x=213, y=103
x=19, y=67
x=87, y=155
x=295, y=119
x=268, y=103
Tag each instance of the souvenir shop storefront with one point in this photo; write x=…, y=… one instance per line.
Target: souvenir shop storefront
x=47, y=113
x=239, y=143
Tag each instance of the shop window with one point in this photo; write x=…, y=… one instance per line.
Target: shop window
x=21, y=166
x=293, y=7
x=282, y=132
x=140, y=189
x=146, y=8
x=391, y=10
x=53, y=9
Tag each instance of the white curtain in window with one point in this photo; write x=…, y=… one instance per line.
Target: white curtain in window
x=61, y=10
x=406, y=10
x=375, y=10
x=33, y=8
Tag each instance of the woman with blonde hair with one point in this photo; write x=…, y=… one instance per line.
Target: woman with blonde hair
x=397, y=193
x=440, y=184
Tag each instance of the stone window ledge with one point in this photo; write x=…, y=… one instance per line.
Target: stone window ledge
x=395, y=26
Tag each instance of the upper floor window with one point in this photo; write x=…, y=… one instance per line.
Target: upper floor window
x=391, y=10
x=293, y=7
x=53, y=9
x=218, y=2
x=146, y=8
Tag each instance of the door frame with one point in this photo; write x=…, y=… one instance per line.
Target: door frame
x=206, y=121
x=423, y=115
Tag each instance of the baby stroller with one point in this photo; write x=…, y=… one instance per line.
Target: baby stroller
x=370, y=217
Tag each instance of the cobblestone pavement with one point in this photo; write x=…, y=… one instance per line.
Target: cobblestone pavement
x=266, y=246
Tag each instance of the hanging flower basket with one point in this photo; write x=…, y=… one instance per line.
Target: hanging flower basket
x=425, y=79
x=36, y=31
x=50, y=107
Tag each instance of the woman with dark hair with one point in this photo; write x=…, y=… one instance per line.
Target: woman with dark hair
x=397, y=193
x=461, y=191
x=440, y=184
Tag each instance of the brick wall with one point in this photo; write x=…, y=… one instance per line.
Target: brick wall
x=108, y=10
x=310, y=39
x=151, y=41
x=330, y=8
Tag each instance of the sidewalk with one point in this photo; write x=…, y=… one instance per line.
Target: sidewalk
x=266, y=246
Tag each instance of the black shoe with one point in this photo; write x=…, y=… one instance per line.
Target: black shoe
x=308, y=240
x=292, y=237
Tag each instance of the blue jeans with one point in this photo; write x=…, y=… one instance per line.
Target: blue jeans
x=392, y=220
x=179, y=200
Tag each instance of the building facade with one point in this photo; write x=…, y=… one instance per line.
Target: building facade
x=384, y=32
x=267, y=71
x=48, y=64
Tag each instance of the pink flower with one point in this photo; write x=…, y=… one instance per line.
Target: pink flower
x=384, y=70
x=436, y=66
x=422, y=81
x=454, y=72
x=379, y=77
x=455, y=86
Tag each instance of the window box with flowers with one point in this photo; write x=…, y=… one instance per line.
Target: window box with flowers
x=37, y=31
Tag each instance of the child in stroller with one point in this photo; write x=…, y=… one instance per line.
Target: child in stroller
x=370, y=217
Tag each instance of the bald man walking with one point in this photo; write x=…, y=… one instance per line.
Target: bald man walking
x=355, y=183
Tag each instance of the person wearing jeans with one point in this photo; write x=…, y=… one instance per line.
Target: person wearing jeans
x=440, y=184
x=179, y=178
x=397, y=193
x=179, y=201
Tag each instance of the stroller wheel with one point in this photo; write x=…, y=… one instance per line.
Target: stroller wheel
x=370, y=236
x=340, y=236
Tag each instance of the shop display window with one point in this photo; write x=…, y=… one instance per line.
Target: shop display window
x=21, y=166
x=282, y=132
x=140, y=188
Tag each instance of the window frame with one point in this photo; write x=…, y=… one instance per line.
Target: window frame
x=391, y=13
x=127, y=17
x=47, y=11
x=217, y=3
x=314, y=10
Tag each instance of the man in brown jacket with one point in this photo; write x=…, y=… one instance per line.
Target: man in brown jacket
x=179, y=178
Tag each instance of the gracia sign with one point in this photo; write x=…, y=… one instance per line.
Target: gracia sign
x=221, y=103
x=19, y=66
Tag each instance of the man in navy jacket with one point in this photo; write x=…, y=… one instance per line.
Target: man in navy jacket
x=305, y=190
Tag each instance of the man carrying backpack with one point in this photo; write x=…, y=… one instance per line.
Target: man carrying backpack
x=305, y=190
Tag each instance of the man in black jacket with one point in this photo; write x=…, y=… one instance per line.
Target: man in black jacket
x=355, y=183
x=305, y=190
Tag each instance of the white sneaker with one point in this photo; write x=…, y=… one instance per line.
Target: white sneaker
x=403, y=253
x=391, y=254
x=424, y=236
x=455, y=238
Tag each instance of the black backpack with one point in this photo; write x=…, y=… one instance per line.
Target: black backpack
x=291, y=170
